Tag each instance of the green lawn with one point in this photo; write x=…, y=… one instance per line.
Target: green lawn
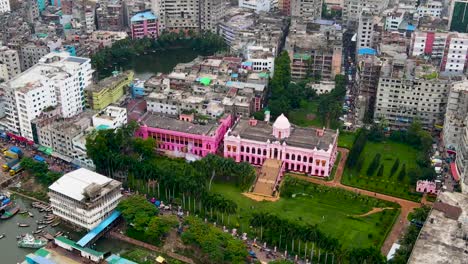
x=299, y=116
x=331, y=209
x=346, y=139
x=387, y=184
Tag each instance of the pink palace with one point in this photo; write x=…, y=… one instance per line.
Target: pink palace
x=182, y=138
x=305, y=150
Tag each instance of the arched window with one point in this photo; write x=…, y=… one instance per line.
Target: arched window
x=264, y=152
x=310, y=160
x=293, y=157
x=287, y=155
x=259, y=151
x=298, y=157
x=253, y=150
x=304, y=159
x=242, y=148
x=247, y=150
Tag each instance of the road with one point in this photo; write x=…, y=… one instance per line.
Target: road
x=406, y=206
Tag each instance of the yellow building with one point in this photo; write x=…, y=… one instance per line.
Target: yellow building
x=109, y=90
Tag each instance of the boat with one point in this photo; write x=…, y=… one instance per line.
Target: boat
x=41, y=226
x=29, y=241
x=23, y=212
x=59, y=233
x=23, y=225
x=2, y=236
x=55, y=224
x=9, y=212
x=37, y=231
x=49, y=222
x=4, y=200
x=49, y=236
x=31, y=214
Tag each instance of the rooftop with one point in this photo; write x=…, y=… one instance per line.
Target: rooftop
x=143, y=16
x=172, y=123
x=443, y=238
x=104, y=83
x=78, y=182
x=299, y=137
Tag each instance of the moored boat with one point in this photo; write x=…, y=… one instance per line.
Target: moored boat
x=23, y=212
x=8, y=212
x=31, y=214
x=49, y=236
x=55, y=224
x=59, y=233
x=29, y=241
x=41, y=226
x=23, y=225
x=2, y=236
x=37, y=231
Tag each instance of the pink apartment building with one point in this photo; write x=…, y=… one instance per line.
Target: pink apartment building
x=305, y=150
x=144, y=24
x=180, y=136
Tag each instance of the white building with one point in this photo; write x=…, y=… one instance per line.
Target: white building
x=393, y=20
x=4, y=6
x=431, y=9
x=257, y=5
x=461, y=163
x=457, y=111
x=365, y=33
x=307, y=9
x=263, y=60
x=110, y=117
x=456, y=58
x=84, y=198
x=323, y=87
x=10, y=59
x=353, y=8
x=31, y=53
x=3, y=72
x=58, y=80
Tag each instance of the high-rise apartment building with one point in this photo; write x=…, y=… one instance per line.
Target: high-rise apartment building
x=31, y=53
x=4, y=6
x=458, y=15
x=352, y=9
x=10, y=59
x=306, y=9
x=411, y=90
x=175, y=15
x=109, y=15
x=456, y=114
x=365, y=33
x=56, y=81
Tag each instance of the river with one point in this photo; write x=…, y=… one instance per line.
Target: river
x=11, y=253
x=151, y=63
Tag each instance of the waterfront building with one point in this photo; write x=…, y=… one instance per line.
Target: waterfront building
x=109, y=90
x=311, y=151
x=107, y=38
x=84, y=198
x=57, y=81
x=181, y=137
x=110, y=117
x=144, y=24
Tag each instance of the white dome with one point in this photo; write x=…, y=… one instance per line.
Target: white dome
x=282, y=122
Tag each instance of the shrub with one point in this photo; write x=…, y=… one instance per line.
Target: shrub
x=380, y=172
x=359, y=164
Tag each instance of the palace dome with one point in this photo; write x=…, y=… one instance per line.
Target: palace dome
x=282, y=122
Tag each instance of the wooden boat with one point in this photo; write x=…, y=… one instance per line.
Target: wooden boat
x=2, y=236
x=9, y=213
x=23, y=225
x=41, y=226
x=23, y=212
x=55, y=224
x=49, y=222
x=37, y=231
x=30, y=214
x=49, y=236
x=59, y=233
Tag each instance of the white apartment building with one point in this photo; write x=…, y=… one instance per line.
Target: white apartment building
x=407, y=91
x=461, y=163
x=262, y=59
x=3, y=72
x=393, y=20
x=110, y=117
x=431, y=43
x=353, y=8
x=365, y=33
x=456, y=58
x=84, y=198
x=10, y=59
x=307, y=9
x=4, y=6
x=257, y=5
x=456, y=113
x=431, y=9
x=89, y=20
x=56, y=81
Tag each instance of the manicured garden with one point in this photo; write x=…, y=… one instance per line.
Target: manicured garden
x=334, y=211
x=346, y=139
x=381, y=179
x=306, y=115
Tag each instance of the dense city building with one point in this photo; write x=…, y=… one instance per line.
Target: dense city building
x=108, y=90
x=9, y=58
x=58, y=81
x=144, y=25
x=4, y=6
x=306, y=9
x=456, y=114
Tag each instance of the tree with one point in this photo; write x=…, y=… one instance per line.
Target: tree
x=358, y=147
x=395, y=166
x=402, y=173
x=359, y=164
x=158, y=226
x=374, y=165
x=135, y=207
x=380, y=171
x=366, y=255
